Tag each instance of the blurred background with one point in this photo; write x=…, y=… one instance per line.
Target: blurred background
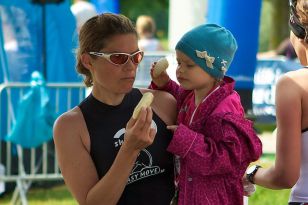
x=41, y=36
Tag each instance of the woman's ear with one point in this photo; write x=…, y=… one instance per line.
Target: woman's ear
x=86, y=61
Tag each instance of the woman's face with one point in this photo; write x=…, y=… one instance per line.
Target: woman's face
x=118, y=79
x=300, y=47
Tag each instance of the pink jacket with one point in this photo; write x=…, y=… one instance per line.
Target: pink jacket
x=215, y=147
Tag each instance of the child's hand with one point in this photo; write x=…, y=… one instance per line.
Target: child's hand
x=249, y=188
x=172, y=127
x=161, y=80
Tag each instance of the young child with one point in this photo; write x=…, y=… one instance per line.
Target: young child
x=212, y=140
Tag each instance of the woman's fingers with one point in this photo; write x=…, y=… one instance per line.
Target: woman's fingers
x=139, y=133
x=131, y=122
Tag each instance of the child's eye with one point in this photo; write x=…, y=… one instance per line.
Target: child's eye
x=190, y=65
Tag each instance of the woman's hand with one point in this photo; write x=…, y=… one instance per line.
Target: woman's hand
x=139, y=134
x=161, y=80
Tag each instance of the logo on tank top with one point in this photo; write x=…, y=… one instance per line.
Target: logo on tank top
x=119, y=136
x=143, y=167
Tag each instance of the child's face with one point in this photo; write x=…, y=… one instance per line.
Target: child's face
x=190, y=75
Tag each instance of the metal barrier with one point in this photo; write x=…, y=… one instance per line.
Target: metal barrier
x=24, y=166
x=143, y=77
x=35, y=164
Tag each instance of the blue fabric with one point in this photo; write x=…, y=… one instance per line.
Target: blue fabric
x=23, y=25
x=61, y=39
x=103, y=6
x=35, y=116
x=22, y=28
x=211, y=42
x=3, y=59
x=3, y=78
x=243, y=21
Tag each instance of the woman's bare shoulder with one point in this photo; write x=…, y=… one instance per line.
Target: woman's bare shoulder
x=164, y=105
x=294, y=80
x=69, y=118
x=70, y=126
x=295, y=84
x=161, y=97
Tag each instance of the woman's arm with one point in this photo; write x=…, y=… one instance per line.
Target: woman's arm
x=78, y=170
x=285, y=172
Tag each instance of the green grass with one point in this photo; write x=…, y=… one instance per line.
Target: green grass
x=60, y=195
x=264, y=127
x=264, y=196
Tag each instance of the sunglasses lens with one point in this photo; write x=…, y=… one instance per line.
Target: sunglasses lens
x=119, y=59
x=137, y=57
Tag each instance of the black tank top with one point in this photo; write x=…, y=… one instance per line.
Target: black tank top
x=151, y=180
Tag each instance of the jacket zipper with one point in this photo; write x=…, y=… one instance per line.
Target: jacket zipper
x=192, y=116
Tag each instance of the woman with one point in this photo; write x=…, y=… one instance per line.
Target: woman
x=291, y=164
x=105, y=156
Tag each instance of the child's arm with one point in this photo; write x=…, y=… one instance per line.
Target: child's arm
x=228, y=144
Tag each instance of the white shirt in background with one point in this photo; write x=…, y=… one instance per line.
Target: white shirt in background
x=83, y=11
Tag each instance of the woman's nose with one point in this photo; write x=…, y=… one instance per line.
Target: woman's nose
x=130, y=65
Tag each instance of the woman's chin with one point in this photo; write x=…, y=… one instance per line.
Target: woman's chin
x=127, y=89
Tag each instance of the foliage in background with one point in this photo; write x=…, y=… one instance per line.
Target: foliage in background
x=265, y=23
x=273, y=24
x=280, y=19
x=158, y=9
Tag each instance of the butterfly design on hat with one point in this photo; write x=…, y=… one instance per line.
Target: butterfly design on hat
x=208, y=59
x=224, y=66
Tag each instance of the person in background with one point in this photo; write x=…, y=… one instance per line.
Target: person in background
x=106, y=156
x=212, y=140
x=146, y=28
x=290, y=169
x=285, y=48
x=82, y=10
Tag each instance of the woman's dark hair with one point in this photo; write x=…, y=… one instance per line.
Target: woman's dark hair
x=94, y=35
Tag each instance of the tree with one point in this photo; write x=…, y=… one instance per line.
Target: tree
x=274, y=24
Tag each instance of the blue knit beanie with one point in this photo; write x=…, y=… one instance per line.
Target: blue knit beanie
x=210, y=46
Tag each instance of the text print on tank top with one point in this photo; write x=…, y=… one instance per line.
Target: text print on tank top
x=107, y=136
x=144, y=164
